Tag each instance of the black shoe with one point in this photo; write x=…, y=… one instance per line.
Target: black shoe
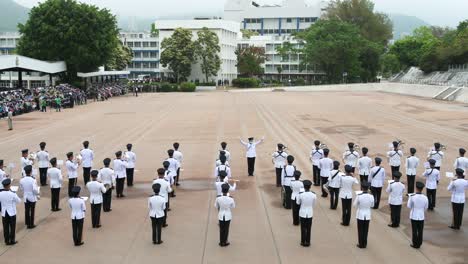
x=454, y=227
x=169, y=209
x=165, y=225
x=392, y=226
x=155, y=243
x=227, y=244
x=307, y=245
x=221, y=244
x=98, y=226
x=121, y=196
x=359, y=246
x=12, y=243
x=343, y=224
x=58, y=209
x=413, y=246
x=32, y=227
x=160, y=242
x=177, y=184
x=79, y=244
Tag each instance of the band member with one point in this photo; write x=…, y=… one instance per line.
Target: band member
x=131, y=160
x=226, y=152
x=418, y=203
x=325, y=166
x=222, y=167
x=461, y=162
x=107, y=177
x=43, y=163
x=346, y=194
x=96, y=189
x=394, y=157
x=179, y=157
x=395, y=199
x=87, y=162
x=334, y=183
x=297, y=186
x=55, y=180
x=78, y=213
x=286, y=177
x=222, y=180
x=169, y=176
x=412, y=163
x=25, y=161
x=222, y=154
x=457, y=187
x=224, y=204
x=30, y=192
x=3, y=176
x=72, y=172
x=365, y=164
x=174, y=164
x=377, y=179
x=279, y=159
x=315, y=156
x=432, y=176
x=306, y=200
x=251, y=153
x=364, y=202
x=351, y=156
x=436, y=155
x=157, y=211
x=8, y=202
x=120, y=170
x=164, y=191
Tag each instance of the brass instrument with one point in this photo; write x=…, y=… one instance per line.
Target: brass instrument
x=357, y=148
x=323, y=146
x=32, y=156
x=78, y=158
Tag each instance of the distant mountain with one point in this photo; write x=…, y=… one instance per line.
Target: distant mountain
x=404, y=25
x=11, y=14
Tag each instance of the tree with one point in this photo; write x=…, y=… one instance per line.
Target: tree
x=82, y=35
x=207, y=50
x=178, y=53
x=279, y=69
x=123, y=56
x=247, y=33
x=390, y=64
x=154, y=31
x=250, y=60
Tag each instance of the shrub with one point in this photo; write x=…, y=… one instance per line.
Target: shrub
x=299, y=82
x=246, y=82
x=167, y=88
x=187, y=87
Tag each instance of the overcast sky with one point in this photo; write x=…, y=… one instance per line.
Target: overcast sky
x=436, y=12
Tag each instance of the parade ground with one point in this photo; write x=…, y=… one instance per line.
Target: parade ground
x=261, y=230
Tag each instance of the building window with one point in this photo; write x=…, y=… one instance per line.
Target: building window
x=302, y=19
x=153, y=44
x=130, y=44
x=145, y=44
x=137, y=44
x=289, y=20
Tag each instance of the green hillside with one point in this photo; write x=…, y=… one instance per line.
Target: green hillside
x=11, y=14
x=404, y=25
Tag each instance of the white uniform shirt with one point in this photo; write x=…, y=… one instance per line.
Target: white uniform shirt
x=9, y=200
x=457, y=188
x=2, y=177
x=220, y=168
x=224, y=204
x=325, y=166
x=42, y=159
x=365, y=164
x=219, y=189
x=25, y=162
x=107, y=176
x=96, y=189
x=461, y=163
x=169, y=176
x=316, y=155
x=307, y=202
x=334, y=181
x=88, y=157
x=55, y=178
x=396, y=190
x=165, y=188
x=250, y=147
x=412, y=163
x=218, y=162
x=287, y=175
x=78, y=208
x=72, y=168
x=394, y=157
x=351, y=158
x=178, y=156
x=418, y=203
x=131, y=159
x=30, y=189
x=437, y=156
x=297, y=187
x=377, y=177
x=227, y=154
x=156, y=206
x=432, y=177
x=279, y=159
x=174, y=164
x=346, y=187
x=364, y=202
x=120, y=168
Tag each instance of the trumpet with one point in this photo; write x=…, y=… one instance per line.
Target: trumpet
x=78, y=158
x=323, y=146
x=443, y=147
x=357, y=148
x=32, y=156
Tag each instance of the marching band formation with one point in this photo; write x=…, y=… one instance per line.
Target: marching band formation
x=296, y=194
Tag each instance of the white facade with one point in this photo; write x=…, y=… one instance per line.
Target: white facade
x=145, y=54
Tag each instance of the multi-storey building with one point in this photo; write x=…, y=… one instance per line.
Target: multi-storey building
x=145, y=54
x=8, y=42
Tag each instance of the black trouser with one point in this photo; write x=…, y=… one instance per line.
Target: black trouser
x=410, y=181
x=395, y=213
x=346, y=210
x=106, y=200
x=224, y=231
x=251, y=166
x=431, y=196
x=306, y=226
x=364, y=178
x=71, y=184
x=120, y=186
x=417, y=226
x=77, y=226
x=86, y=174
x=156, y=224
x=29, y=208
x=55, y=198
x=394, y=169
x=43, y=176
x=457, y=214
x=323, y=181
x=177, y=177
x=287, y=197
x=9, y=228
x=295, y=212
x=130, y=176
x=165, y=212
x=96, y=215
x=334, y=193
x=363, y=230
x=279, y=171
x=376, y=192
x=316, y=171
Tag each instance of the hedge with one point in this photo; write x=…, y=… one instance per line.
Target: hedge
x=246, y=83
x=188, y=87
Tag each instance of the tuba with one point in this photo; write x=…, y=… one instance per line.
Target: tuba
x=78, y=158
x=32, y=156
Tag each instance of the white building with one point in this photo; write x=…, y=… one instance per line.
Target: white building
x=145, y=54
